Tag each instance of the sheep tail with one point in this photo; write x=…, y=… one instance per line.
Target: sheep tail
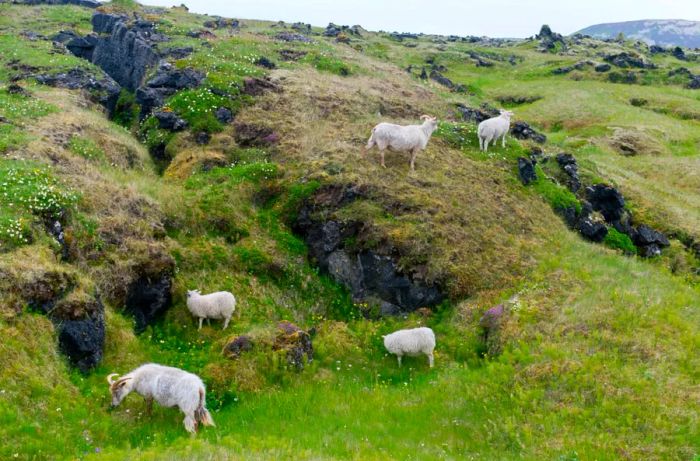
x=201, y=414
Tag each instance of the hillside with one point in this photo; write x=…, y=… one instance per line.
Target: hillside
x=661, y=32
x=148, y=151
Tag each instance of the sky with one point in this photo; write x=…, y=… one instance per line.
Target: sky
x=493, y=18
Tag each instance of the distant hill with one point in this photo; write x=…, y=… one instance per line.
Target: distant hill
x=666, y=32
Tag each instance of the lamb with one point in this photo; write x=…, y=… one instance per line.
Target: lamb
x=412, y=342
x=169, y=387
x=494, y=128
x=219, y=305
x=411, y=138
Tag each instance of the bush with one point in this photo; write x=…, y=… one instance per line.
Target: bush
x=618, y=240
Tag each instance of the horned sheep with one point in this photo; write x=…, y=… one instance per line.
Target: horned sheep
x=409, y=138
x=494, y=128
x=413, y=342
x=170, y=387
x=219, y=305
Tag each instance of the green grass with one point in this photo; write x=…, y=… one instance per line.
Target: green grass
x=596, y=358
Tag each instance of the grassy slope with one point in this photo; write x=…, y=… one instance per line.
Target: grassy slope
x=599, y=359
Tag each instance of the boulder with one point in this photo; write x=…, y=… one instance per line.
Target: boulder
x=626, y=60
x=264, y=62
x=607, y=200
x=64, y=36
x=148, y=298
x=170, y=121
x=442, y=80
x=224, y=115
x=291, y=37
x=471, y=114
x=83, y=47
x=604, y=67
x=647, y=236
x=102, y=89
x=694, y=83
x=592, y=230
x=549, y=41
x=679, y=54
x=522, y=130
x=291, y=55
x=568, y=163
x=526, y=170
x=238, y=346
x=82, y=340
x=296, y=343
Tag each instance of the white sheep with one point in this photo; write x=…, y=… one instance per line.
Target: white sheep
x=219, y=305
x=411, y=342
x=170, y=387
x=494, y=128
x=410, y=138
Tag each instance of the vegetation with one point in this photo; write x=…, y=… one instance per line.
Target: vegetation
x=596, y=357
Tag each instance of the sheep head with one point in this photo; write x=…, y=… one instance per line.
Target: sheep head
x=506, y=114
x=430, y=121
x=191, y=293
x=119, y=388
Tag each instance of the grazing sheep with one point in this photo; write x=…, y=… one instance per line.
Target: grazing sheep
x=412, y=342
x=494, y=128
x=219, y=305
x=411, y=138
x=170, y=387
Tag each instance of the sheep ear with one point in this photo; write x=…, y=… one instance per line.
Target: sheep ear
x=425, y=117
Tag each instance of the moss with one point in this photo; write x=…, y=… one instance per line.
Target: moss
x=617, y=240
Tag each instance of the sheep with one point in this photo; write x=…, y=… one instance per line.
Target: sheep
x=494, y=128
x=412, y=342
x=411, y=138
x=219, y=305
x=169, y=387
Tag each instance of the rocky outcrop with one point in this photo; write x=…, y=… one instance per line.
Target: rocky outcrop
x=83, y=3
x=526, y=170
x=164, y=83
x=169, y=121
x=238, y=346
x=471, y=114
x=296, y=343
x=101, y=89
x=292, y=37
x=550, y=41
x=82, y=339
x=251, y=135
x=522, y=130
x=568, y=163
x=649, y=241
x=444, y=81
x=149, y=296
x=607, y=200
x=627, y=60
x=367, y=273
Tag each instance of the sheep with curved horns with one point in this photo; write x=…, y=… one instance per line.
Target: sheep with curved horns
x=219, y=305
x=170, y=387
x=410, y=138
x=413, y=342
x=494, y=128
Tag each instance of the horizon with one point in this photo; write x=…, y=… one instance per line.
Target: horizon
x=517, y=20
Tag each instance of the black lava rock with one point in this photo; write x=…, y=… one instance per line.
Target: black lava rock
x=607, y=200
x=170, y=121
x=148, y=298
x=592, y=230
x=266, y=63
x=626, y=60
x=82, y=340
x=526, y=170
x=238, y=346
x=102, y=89
x=224, y=115
x=604, y=67
x=522, y=130
x=568, y=163
x=472, y=114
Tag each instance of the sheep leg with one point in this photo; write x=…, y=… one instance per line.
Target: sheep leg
x=504, y=140
x=201, y=319
x=190, y=423
x=486, y=144
x=481, y=143
x=431, y=360
x=226, y=321
x=208, y=322
x=399, y=357
x=414, y=152
x=149, y=406
x=381, y=152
